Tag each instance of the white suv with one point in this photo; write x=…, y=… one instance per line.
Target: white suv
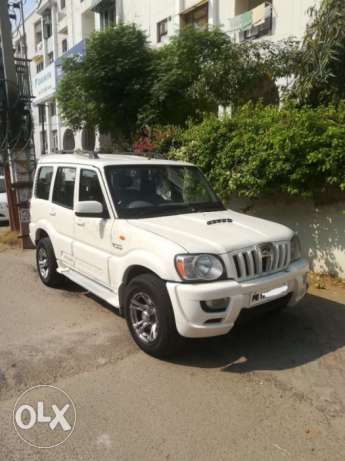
x=151, y=238
x=4, y=217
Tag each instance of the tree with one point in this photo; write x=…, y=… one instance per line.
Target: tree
x=177, y=65
x=109, y=87
x=200, y=70
x=320, y=77
x=76, y=106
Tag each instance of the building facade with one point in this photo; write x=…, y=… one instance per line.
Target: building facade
x=56, y=29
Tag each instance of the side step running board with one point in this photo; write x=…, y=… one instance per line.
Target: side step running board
x=90, y=285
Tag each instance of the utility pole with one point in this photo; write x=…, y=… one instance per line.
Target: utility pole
x=11, y=92
x=16, y=148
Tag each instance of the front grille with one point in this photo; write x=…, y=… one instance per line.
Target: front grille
x=263, y=259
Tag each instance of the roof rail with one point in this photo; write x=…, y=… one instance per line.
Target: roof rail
x=90, y=154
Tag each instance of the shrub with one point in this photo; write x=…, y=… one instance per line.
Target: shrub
x=264, y=150
x=160, y=139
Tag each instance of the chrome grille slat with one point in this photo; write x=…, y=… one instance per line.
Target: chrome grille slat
x=256, y=261
x=284, y=255
x=276, y=258
x=259, y=263
x=250, y=263
x=242, y=264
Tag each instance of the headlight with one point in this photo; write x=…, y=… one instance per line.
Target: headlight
x=199, y=267
x=296, y=249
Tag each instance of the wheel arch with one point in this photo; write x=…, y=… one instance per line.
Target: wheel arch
x=130, y=273
x=40, y=234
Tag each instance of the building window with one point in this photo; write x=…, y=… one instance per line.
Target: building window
x=53, y=109
x=44, y=145
x=62, y=4
x=196, y=17
x=55, y=146
x=41, y=113
x=38, y=34
x=50, y=57
x=253, y=19
x=68, y=143
x=47, y=24
x=64, y=45
x=107, y=17
x=162, y=30
x=39, y=67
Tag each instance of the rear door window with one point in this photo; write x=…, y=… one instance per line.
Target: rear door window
x=44, y=180
x=63, y=193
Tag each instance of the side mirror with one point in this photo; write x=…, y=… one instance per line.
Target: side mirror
x=89, y=209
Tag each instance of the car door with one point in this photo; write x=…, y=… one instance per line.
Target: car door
x=61, y=213
x=92, y=246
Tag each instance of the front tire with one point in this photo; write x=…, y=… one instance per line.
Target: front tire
x=46, y=263
x=150, y=317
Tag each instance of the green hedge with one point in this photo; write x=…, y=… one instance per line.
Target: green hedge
x=264, y=150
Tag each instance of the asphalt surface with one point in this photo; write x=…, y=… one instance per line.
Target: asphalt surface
x=273, y=389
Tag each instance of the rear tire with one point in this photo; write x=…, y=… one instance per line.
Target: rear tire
x=46, y=263
x=150, y=317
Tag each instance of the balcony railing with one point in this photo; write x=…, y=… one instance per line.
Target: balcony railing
x=252, y=23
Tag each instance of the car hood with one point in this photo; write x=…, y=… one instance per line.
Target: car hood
x=202, y=232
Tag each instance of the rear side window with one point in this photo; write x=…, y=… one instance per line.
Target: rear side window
x=64, y=187
x=44, y=179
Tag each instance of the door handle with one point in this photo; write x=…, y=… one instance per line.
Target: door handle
x=80, y=224
x=52, y=212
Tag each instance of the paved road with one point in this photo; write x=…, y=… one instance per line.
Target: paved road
x=273, y=389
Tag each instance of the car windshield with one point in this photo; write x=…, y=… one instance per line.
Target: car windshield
x=2, y=186
x=140, y=191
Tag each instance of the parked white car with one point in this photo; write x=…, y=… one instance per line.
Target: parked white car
x=151, y=238
x=4, y=216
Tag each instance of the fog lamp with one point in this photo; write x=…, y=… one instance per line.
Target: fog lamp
x=215, y=305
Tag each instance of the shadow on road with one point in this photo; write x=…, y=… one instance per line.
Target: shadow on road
x=275, y=341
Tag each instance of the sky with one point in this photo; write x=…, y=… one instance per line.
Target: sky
x=28, y=6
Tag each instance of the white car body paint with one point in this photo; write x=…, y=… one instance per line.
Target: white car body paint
x=97, y=253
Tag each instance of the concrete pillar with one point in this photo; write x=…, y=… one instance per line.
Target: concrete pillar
x=55, y=30
x=45, y=47
x=179, y=7
x=48, y=126
x=213, y=13
x=119, y=12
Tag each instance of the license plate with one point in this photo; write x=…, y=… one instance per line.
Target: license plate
x=261, y=297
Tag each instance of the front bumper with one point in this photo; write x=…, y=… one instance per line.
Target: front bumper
x=193, y=322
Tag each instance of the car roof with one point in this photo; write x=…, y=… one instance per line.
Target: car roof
x=104, y=160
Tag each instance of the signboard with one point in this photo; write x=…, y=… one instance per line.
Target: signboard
x=77, y=51
x=44, y=84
